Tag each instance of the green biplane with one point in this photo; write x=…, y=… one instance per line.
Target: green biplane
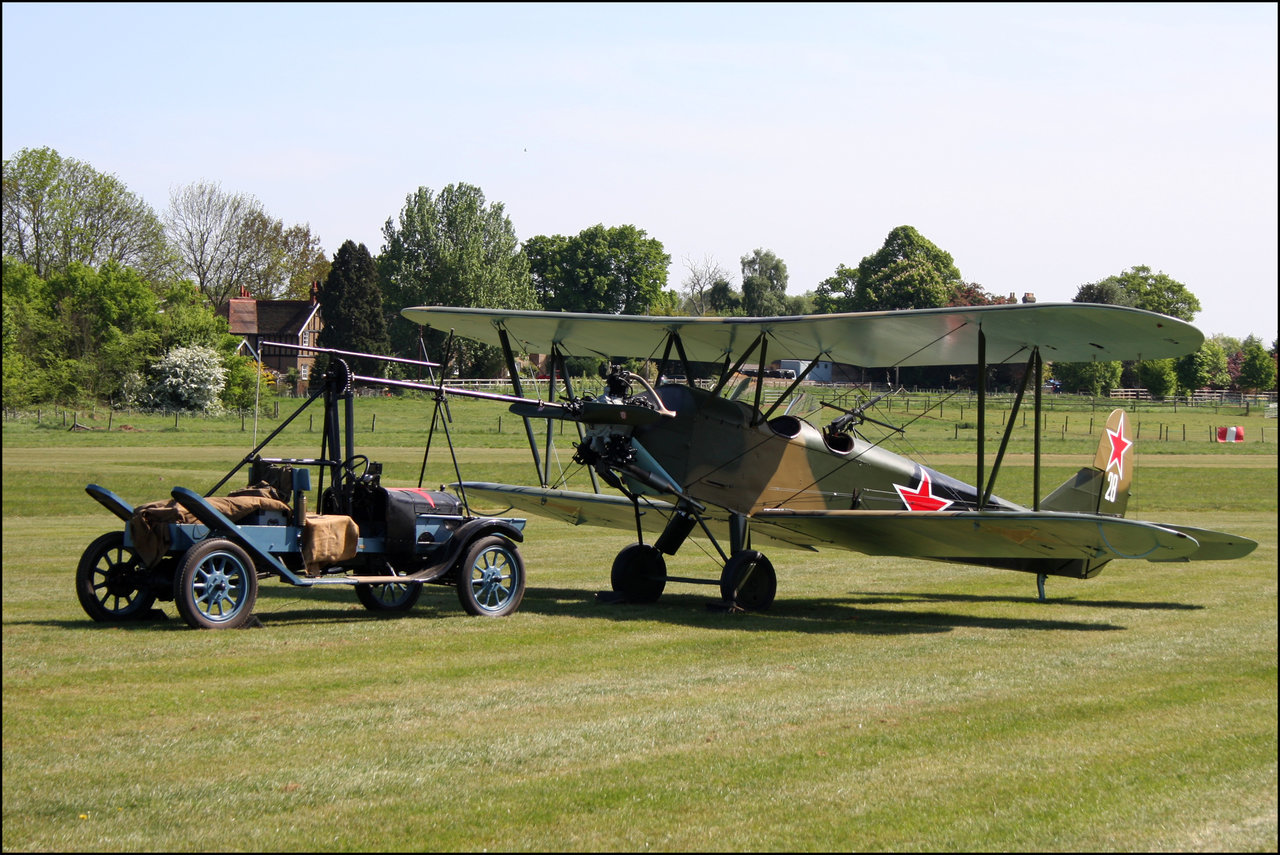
x=725, y=463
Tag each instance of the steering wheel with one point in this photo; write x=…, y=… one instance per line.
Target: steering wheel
x=349, y=465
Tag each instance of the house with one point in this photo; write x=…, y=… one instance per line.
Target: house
x=296, y=322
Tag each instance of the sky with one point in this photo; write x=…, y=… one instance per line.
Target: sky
x=1044, y=146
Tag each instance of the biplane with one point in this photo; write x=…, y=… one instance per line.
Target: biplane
x=728, y=462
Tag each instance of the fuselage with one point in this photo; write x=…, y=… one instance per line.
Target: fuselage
x=715, y=454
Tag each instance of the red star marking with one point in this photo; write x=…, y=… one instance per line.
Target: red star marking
x=922, y=498
x=1119, y=445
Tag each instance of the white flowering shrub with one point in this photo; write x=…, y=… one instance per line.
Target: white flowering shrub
x=187, y=378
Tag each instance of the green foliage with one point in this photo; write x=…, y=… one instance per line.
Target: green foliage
x=617, y=270
x=451, y=249
x=1140, y=288
x=60, y=211
x=1087, y=378
x=1204, y=369
x=352, y=306
x=837, y=292
x=908, y=272
x=1258, y=370
x=79, y=334
x=764, y=284
x=666, y=304
x=1158, y=376
x=722, y=300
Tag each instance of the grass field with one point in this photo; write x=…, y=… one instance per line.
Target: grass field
x=881, y=704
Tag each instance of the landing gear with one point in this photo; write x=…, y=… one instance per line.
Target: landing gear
x=748, y=581
x=639, y=573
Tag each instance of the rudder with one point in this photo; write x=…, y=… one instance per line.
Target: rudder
x=1103, y=487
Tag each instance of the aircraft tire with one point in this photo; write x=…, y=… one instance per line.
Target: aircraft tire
x=756, y=591
x=639, y=573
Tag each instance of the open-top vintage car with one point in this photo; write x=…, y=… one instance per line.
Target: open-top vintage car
x=207, y=553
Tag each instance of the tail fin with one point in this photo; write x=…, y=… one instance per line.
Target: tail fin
x=1102, y=488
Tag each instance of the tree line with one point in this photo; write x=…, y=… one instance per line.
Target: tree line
x=105, y=299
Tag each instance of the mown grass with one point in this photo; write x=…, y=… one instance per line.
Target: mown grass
x=881, y=703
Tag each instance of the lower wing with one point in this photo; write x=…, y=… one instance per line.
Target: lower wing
x=969, y=536
x=975, y=537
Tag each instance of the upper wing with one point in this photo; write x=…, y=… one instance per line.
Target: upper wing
x=1072, y=332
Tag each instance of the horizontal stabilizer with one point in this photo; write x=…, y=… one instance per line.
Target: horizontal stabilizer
x=1214, y=545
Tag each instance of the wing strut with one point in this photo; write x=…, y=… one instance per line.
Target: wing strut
x=729, y=372
x=1008, y=428
x=764, y=356
x=510, y=358
x=799, y=379
x=982, y=411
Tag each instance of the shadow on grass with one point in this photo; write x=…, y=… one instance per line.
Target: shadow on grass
x=886, y=597
x=811, y=615
x=878, y=613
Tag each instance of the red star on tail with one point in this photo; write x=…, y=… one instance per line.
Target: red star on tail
x=922, y=498
x=1119, y=445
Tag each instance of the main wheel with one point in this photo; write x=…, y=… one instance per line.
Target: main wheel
x=389, y=597
x=748, y=581
x=216, y=585
x=639, y=573
x=491, y=578
x=111, y=580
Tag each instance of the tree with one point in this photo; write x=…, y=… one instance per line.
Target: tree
x=722, y=300
x=1158, y=376
x=764, y=284
x=908, y=272
x=81, y=331
x=1087, y=378
x=351, y=303
x=973, y=294
x=282, y=263
x=1258, y=369
x=617, y=270
x=451, y=249
x=60, y=211
x=208, y=228
x=79, y=334
x=188, y=379
x=1140, y=288
x=837, y=292
x=702, y=277
x=1203, y=369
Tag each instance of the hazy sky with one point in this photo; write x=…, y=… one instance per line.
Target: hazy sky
x=1043, y=146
